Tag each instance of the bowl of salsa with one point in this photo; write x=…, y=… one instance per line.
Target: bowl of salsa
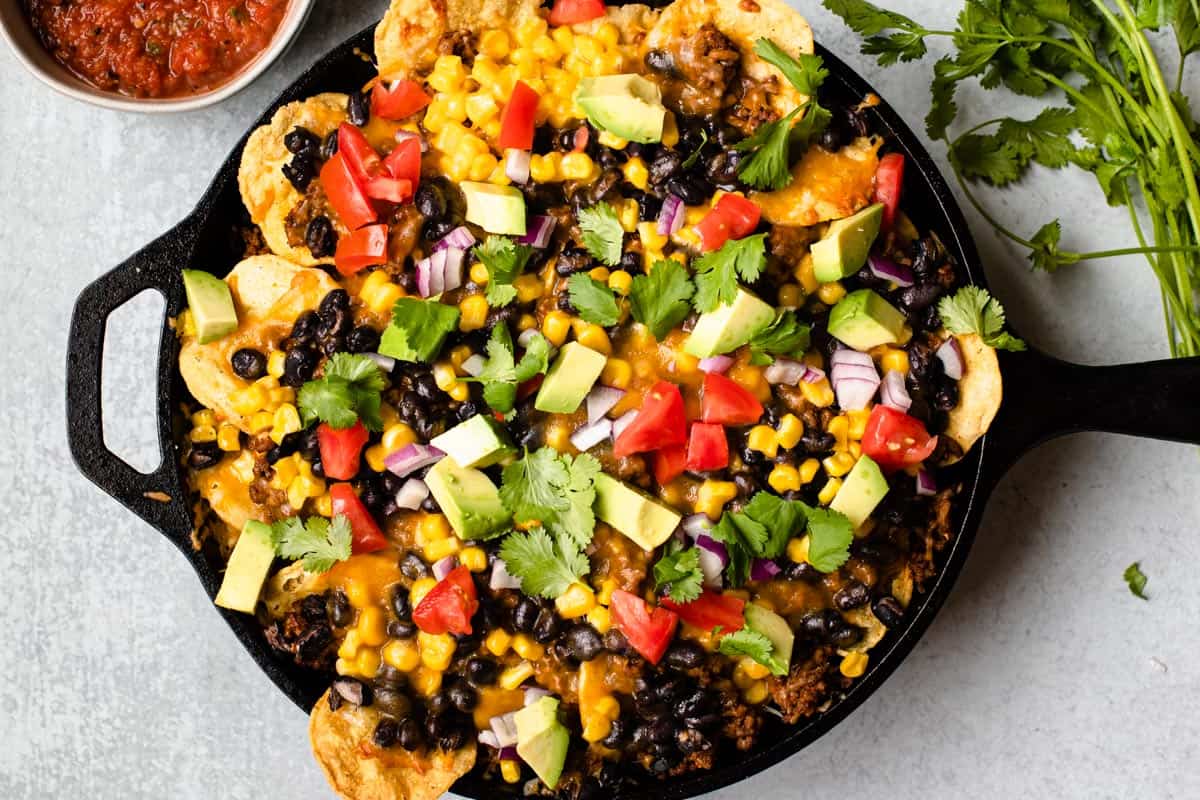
x=150, y=55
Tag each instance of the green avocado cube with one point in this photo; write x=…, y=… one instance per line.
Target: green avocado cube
x=844, y=248
x=863, y=320
x=477, y=442
x=496, y=209
x=247, y=568
x=570, y=378
x=775, y=628
x=628, y=106
x=726, y=328
x=647, y=522
x=542, y=740
x=468, y=498
x=861, y=491
x=211, y=304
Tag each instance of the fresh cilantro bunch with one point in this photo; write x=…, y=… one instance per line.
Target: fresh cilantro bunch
x=504, y=260
x=317, y=543
x=502, y=373
x=678, y=571
x=348, y=391
x=717, y=272
x=1111, y=111
x=973, y=310
x=555, y=490
x=546, y=565
x=659, y=298
x=594, y=301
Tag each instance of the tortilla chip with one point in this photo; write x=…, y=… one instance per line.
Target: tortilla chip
x=873, y=629
x=825, y=186
x=268, y=195
x=979, y=394
x=228, y=496
x=358, y=770
x=289, y=586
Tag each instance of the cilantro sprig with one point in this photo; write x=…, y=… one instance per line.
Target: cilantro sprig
x=973, y=310
x=785, y=336
x=717, y=272
x=555, y=490
x=678, y=571
x=317, y=543
x=418, y=329
x=546, y=565
x=504, y=260
x=348, y=390
x=502, y=373
x=603, y=235
x=751, y=643
x=659, y=299
x=594, y=301
x=1136, y=580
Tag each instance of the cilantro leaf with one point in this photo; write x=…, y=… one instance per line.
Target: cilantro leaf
x=768, y=166
x=906, y=44
x=717, y=272
x=1047, y=135
x=504, y=260
x=755, y=645
x=695, y=156
x=781, y=518
x=1136, y=580
x=316, y=542
x=347, y=391
x=973, y=310
x=806, y=72
x=594, y=301
x=679, y=571
x=418, y=329
x=659, y=298
x=545, y=566
x=993, y=159
x=830, y=534
x=603, y=235
x=744, y=539
x=502, y=374
x=555, y=490
x=785, y=336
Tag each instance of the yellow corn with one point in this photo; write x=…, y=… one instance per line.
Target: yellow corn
x=324, y=505
x=636, y=172
x=432, y=528
x=595, y=338
x=473, y=558
x=805, y=275
x=555, y=327
x=510, y=770
x=544, y=169
x=784, y=478
x=384, y=299
x=367, y=663
x=853, y=665
x=375, y=455
x=402, y=654
x=808, y=470
x=607, y=587
x=790, y=431
x=444, y=375
x=740, y=678
x=243, y=466
x=248, y=400
x=473, y=310
x=460, y=392
x=797, y=549
x=819, y=394
x=203, y=417
x=757, y=693
x=348, y=649
x=578, y=600
x=372, y=626
x=285, y=421
x=228, y=438
x=262, y=421
x=524, y=646
x=839, y=429
x=437, y=649
x=494, y=43
x=838, y=464
x=479, y=273
x=275, y=361
x=713, y=495
x=529, y=288
x=203, y=433
x=617, y=373
x=426, y=681
x=790, y=295
x=514, y=676
x=651, y=238
x=763, y=439
x=829, y=491
x=397, y=436
x=894, y=360
x=498, y=642
x=670, y=134
x=620, y=282
x=441, y=548
x=830, y=293
x=600, y=618
x=596, y=728
x=858, y=423
x=419, y=589
x=578, y=167
x=755, y=670
x=557, y=434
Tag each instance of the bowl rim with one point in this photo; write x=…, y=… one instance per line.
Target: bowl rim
x=76, y=88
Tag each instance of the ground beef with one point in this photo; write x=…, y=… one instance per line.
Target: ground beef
x=803, y=690
x=702, y=759
x=707, y=61
x=790, y=244
x=457, y=43
x=253, y=243
x=304, y=634
x=313, y=204
x=753, y=105
x=742, y=722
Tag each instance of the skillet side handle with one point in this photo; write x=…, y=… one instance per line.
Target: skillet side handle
x=1045, y=398
x=152, y=496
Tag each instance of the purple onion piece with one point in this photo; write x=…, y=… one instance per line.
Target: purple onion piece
x=534, y=693
x=591, y=434
x=888, y=270
x=785, y=371
x=847, y=356
x=444, y=566
x=488, y=738
x=411, y=458
x=720, y=364
x=712, y=567
x=452, y=267
x=713, y=546
x=763, y=569
x=695, y=525
x=670, y=218
x=474, y=365
x=951, y=356
x=622, y=422
x=412, y=494
x=461, y=237
x=814, y=375
x=893, y=393
x=601, y=400
x=516, y=165
x=505, y=728
x=538, y=231
x=501, y=578
x=853, y=394
x=926, y=485
x=509, y=754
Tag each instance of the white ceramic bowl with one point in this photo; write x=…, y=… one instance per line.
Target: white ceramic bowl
x=18, y=32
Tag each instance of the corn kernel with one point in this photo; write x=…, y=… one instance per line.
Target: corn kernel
x=596, y=728
x=441, y=548
x=402, y=654
x=262, y=421
x=437, y=649
x=426, y=682
x=529, y=288
x=686, y=363
x=367, y=663
x=805, y=274
x=636, y=172
x=829, y=491
x=578, y=600
x=248, y=400
x=790, y=431
x=854, y=665
x=858, y=423
x=740, y=679
x=808, y=470
x=763, y=439
x=830, y=293
x=371, y=626
x=498, y=642
x=595, y=338
x=819, y=394
x=203, y=433
x=397, y=436
x=895, y=360
x=555, y=327
x=713, y=495
x=204, y=416
x=839, y=429
x=228, y=438
x=285, y=421
x=620, y=282
x=755, y=670
x=524, y=646
x=479, y=273
x=375, y=456
x=348, y=649
x=514, y=676
x=784, y=478
x=494, y=43
x=324, y=505
x=651, y=238
x=373, y=283
x=385, y=299
x=185, y=323
x=757, y=693
x=558, y=435
x=420, y=588
x=578, y=167
x=510, y=770
x=281, y=395
x=243, y=466
x=797, y=549
x=670, y=134
x=606, y=589
x=544, y=169
x=474, y=310
x=482, y=166
x=617, y=373
x=599, y=274
x=473, y=558
x=838, y=464
x=600, y=618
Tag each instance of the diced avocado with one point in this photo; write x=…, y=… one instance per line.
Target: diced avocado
x=861, y=491
x=211, y=304
x=864, y=320
x=727, y=328
x=468, y=498
x=496, y=209
x=247, y=568
x=627, y=105
x=570, y=378
x=647, y=522
x=477, y=442
x=775, y=628
x=843, y=249
x=542, y=740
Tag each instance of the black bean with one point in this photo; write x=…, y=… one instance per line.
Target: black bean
x=525, y=615
x=338, y=608
x=692, y=189
x=683, y=654
x=616, y=734
x=649, y=207
x=299, y=171
x=388, y=677
x=436, y=229
x=845, y=635
x=388, y=700
x=248, y=363
x=204, y=455
x=401, y=629
x=466, y=643
x=665, y=166
x=312, y=608
x=299, y=367
x=304, y=329
x=387, y=732
x=409, y=736
x=661, y=730
x=333, y=323
x=545, y=628
x=888, y=610
x=465, y=411
x=320, y=237
x=691, y=705
x=352, y=690
x=413, y=568
x=723, y=169
x=428, y=505
x=427, y=387
x=946, y=397
x=852, y=595
x=608, y=159
x=481, y=672
x=631, y=262
x=463, y=697
x=438, y=704
x=329, y=145
x=919, y=297
x=300, y=140
x=363, y=339
x=358, y=108
x=660, y=61
x=615, y=642
x=746, y=484
x=832, y=139
x=572, y=260
x=336, y=300
x=401, y=606
x=583, y=642
x=430, y=201
x=819, y=624
x=803, y=571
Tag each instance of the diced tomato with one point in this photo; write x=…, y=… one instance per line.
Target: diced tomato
x=530, y=386
x=568, y=12
x=361, y=158
x=647, y=630
x=707, y=447
x=393, y=190
x=724, y=402
x=895, y=440
x=362, y=248
x=367, y=535
x=710, y=610
x=731, y=218
x=661, y=422
x=449, y=606
x=401, y=101
x=346, y=193
x=889, y=183
x=405, y=162
x=669, y=464
x=517, y=121
x=340, y=449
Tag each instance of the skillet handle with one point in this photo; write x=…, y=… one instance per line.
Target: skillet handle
x=153, y=496
x=1045, y=397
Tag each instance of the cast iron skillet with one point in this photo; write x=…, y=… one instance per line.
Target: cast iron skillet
x=1043, y=398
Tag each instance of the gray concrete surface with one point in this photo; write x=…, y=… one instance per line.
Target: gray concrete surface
x=1043, y=677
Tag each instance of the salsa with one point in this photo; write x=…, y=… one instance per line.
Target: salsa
x=155, y=48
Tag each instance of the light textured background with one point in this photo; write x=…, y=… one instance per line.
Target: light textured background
x=1042, y=677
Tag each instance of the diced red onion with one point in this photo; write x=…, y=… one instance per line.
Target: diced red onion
x=412, y=494
x=926, y=485
x=696, y=524
x=510, y=754
x=844, y=355
x=488, y=737
x=710, y=544
x=473, y=366
x=452, y=271
x=505, y=728
x=853, y=394
x=534, y=693
x=385, y=363
x=431, y=274
x=581, y=138
x=814, y=375
x=670, y=218
x=538, y=231
x=461, y=237
x=403, y=136
x=950, y=354
x=711, y=566
x=527, y=336
x=516, y=165
x=601, y=400
x=591, y=435
x=501, y=578
x=842, y=371
x=763, y=569
x=622, y=422
x=888, y=270
x=411, y=458
x=719, y=364
x=444, y=566
x=785, y=371
x=893, y=392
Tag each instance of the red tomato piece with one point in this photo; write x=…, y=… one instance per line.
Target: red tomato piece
x=889, y=183
x=340, y=449
x=405, y=162
x=707, y=447
x=710, y=610
x=733, y=217
x=360, y=157
x=393, y=190
x=517, y=121
x=346, y=193
x=648, y=631
x=367, y=535
x=669, y=464
x=402, y=100
x=660, y=423
x=895, y=440
x=568, y=12
x=362, y=248
x=724, y=402
x=449, y=606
